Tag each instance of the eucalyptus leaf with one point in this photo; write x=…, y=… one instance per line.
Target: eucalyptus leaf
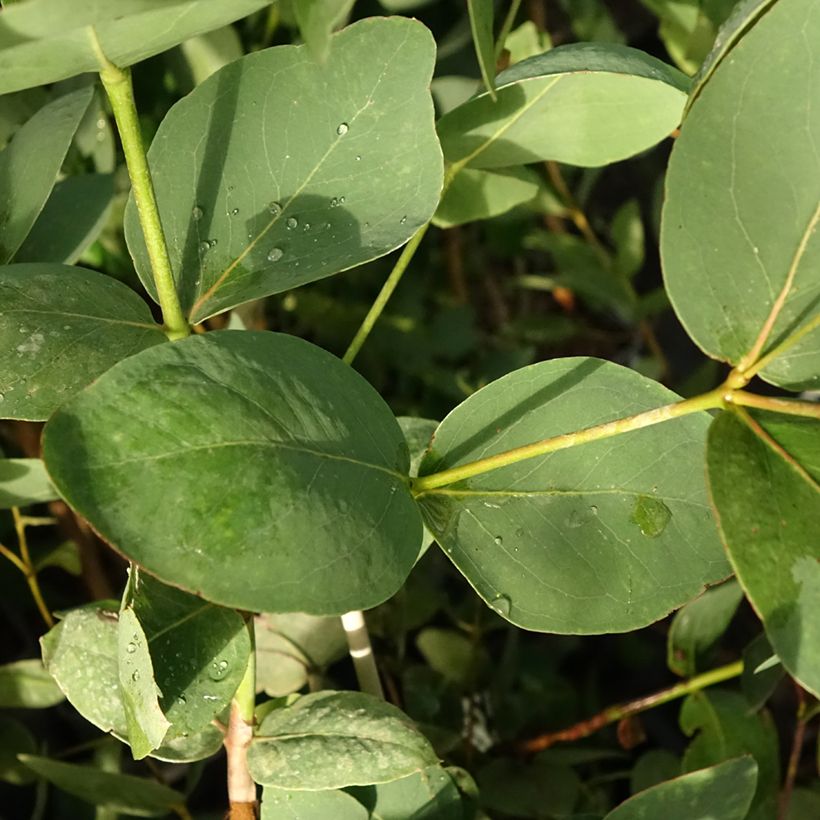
x=742, y=276
x=287, y=804
x=602, y=537
x=29, y=164
x=765, y=482
x=27, y=685
x=60, y=327
x=317, y=19
x=122, y=792
x=481, y=25
x=42, y=41
x=287, y=182
x=723, y=791
x=329, y=740
x=558, y=106
x=759, y=683
x=15, y=739
x=253, y=469
x=24, y=481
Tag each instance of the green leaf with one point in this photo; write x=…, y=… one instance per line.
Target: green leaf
x=759, y=683
x=27, y=685
x=329, y=740
x=735, y=269
x=209, y=52
x=293, y=646
x=147, y=725
x=698, y=625
x=317, y=19
x=60, y=327
x=765, y=483
x=559, y=106
x=452, y=654
x=284, y=804
x=726, y=729
x=24, y=481
x=251, y=468
x=603, y=537
x=526, y=41
x=481, y=24
x=723, y=791
x=652, y=768
x=29, y=164
x=42, y=41
x=475, y=195
x=71, y=220
x=15, y=739
x=628, y=237
x=121, y=792
x=418, y=434
x=199, y=652
x=328, y=167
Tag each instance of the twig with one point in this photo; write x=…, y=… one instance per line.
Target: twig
x=794, y=755
x=361, y=652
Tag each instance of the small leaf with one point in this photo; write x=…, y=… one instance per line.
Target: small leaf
x=121, y=792
x=481, y=25
x=723, y=791
x=558, y=106
x=15, y=739
x=24, y=481
x=283, y=488
x=60, y=327
x=698, y=625
x=285, y=804
x=738, y=272
x=42, y=41
x=29, y=164
x=653, y=767
x=453, y=655
x=63, y=230
x=331, y=166
x=329, y=740
x=628, y=236
x=603, y=537
x=765, y=482
x=317, y=19
x=147, y=725
x=760, y=676
x=27, y=685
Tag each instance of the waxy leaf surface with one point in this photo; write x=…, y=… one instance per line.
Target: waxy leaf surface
x=603, y=537
x=42, y=41
x=60, y=327
x=765, y=483
x=560, y=105
x=251, y=468
x=29, y=165
x=739, y=239
x=295, y=170
x=329, y=740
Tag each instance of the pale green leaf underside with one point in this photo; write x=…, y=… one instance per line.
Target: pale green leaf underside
x=27, y=685
x=60, y=327
x=278, y=170
x=724, y=791
x=481, y=24
x=586, y=104
x=330, y=740
x=42, y=41
x=24, y=481
x=29, y=165
x=251, y=468
x=739, y=227
x=603, y=537
x=768, y=506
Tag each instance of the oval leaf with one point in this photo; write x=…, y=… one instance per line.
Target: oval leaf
x=42, y=41
x=559, y=106
x=286, y=182
x=765, y=483
x=329, y=740
x=24, y=481
x=27, y=685
x=60, y=327
x=251, y=468
x=741, y=275
x=285, y=804
x=604, y=537
x=481, y=25
x=29, y=164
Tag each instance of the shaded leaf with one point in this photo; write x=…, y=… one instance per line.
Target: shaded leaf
x=285, y=804
x=759, y=683
x=536, y=790
x=317, y=19
x=29, y=164
x=653, y=767
x=481, y=24
x=24, y=481
x=288, y=182
x=286, y=485
x=27, y=685
x=15, y=739
x=603, y=537
x=60, y=327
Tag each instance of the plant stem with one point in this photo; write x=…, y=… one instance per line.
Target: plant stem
x=794, y=755
x=361, y=651
x=506, y=27
x=384, y=294
x=118, y=87
x=241, y=788
x=780, y=349
x=613, y=714
x=707, y=401
x=790, y=407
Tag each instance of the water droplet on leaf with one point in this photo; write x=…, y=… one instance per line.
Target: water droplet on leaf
x=235, y=212
x=498, y=540
x=651, y=515
x=502, y=604
x=218, y=670
x=197, y=213
x=275, y=254
x=275, y=208
x=135, y=676
x=131, y=648
x=342, y=129
x=292, y=222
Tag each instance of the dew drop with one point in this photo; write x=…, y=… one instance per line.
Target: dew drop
x=275, y=254
x=218, y=670
x=651, y=515
x=204, y=246
x=235, y=212
x=131, y=648
x=292, y=222
x=498, y=541
x=594, y=510
x=502, y=604
x=403, y=219
x=342, y=129
x=197, y=213
x=275, y=208
x=307, y=226
x=358, y=158
x=135, y=676
x=334, y=202
x=341, y=200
